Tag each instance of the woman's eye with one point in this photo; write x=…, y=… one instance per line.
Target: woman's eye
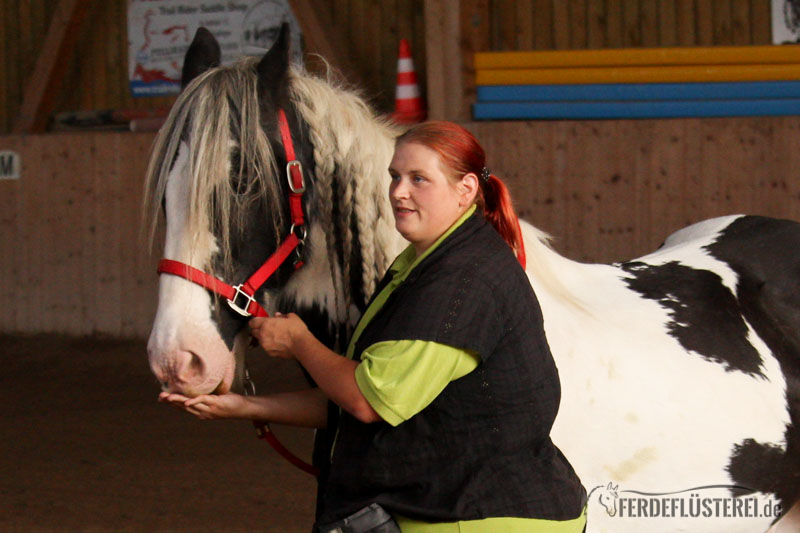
x=419, y=179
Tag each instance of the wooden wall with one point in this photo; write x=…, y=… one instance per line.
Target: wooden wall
x=71, y=260
x=613, y=190
x=98, y=73
x=577, y=24
x=71, y=257
x=97, y=78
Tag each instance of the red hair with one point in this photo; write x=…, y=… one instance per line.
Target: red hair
x=460, y=152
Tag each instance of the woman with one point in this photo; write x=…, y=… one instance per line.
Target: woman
x=448, y=391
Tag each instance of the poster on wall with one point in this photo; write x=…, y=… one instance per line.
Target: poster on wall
x=785, y=21
x=160, y=32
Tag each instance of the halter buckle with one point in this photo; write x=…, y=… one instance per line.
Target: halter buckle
x=296, y=165
x=249, y=299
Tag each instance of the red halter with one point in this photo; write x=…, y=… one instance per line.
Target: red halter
x=241, y=298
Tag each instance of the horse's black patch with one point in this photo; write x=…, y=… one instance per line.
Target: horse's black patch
x=766, y=468
x=764, y=254
x=705, y=315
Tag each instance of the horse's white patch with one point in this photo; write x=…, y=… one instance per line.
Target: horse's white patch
x=630, y=466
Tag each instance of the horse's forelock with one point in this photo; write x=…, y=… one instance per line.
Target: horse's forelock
x=216, y=114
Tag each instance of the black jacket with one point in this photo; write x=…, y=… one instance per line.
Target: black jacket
x=482, y=447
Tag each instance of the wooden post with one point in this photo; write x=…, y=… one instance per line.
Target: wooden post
x=444, y=61
x=45, y=81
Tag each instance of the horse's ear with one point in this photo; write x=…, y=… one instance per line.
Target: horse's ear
x=273, y=67
x=203, y=54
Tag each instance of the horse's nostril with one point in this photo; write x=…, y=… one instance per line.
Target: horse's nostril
x=196, y=364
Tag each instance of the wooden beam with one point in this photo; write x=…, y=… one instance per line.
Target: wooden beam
x=444, y=61
x=44, y=83
x=321, y=38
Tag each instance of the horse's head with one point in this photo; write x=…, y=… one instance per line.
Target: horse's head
x=217, y=170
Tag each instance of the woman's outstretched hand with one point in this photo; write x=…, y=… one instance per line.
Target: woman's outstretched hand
x=210, y=407
x=279, y=335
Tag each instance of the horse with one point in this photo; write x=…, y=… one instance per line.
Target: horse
x=679, y=369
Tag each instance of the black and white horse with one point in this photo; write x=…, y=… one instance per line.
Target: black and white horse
x=680, y=370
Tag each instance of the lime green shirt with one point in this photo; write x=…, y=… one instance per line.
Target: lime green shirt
x=400, y=378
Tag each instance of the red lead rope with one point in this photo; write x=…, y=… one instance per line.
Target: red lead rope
x=241, y=298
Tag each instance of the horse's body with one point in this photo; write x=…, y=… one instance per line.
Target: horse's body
x=679, y=370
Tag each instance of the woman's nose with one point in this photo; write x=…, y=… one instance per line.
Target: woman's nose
x=398, y=189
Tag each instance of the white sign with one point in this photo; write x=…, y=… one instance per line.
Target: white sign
x=785, y=21
x=160, y=32
x=10, y=165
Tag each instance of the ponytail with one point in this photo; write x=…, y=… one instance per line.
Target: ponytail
x=499, y=211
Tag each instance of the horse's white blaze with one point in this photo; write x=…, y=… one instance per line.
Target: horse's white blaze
x=605, y=338
x=185, y=349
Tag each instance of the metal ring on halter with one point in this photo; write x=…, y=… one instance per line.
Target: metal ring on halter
x=305, y=232
x=248, y=384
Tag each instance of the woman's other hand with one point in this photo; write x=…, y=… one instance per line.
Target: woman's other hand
x=279, y=335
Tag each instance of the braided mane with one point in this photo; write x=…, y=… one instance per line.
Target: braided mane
x=352, y=151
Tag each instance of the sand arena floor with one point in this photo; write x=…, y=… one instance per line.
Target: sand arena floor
x=86, y=447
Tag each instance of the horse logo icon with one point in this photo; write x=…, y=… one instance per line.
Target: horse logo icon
x=607, y=496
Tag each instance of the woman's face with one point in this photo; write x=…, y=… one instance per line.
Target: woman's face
x=425, y=201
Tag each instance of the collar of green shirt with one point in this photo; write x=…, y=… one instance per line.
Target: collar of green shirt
x=407, y=260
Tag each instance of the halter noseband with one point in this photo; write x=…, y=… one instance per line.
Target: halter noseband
x=241, y=298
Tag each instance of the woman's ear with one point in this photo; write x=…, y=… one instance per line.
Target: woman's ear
x=468, y=188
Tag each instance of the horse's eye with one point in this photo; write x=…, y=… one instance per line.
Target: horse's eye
x=239, y=182
x=239, y=174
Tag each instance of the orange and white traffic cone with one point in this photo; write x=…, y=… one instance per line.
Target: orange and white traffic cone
x=408, y=105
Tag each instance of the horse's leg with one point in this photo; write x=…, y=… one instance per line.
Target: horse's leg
x=789, y=523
